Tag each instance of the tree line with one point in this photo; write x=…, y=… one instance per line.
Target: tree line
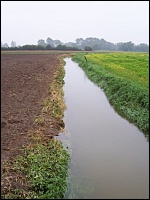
x=87, y=44
x=38, y=47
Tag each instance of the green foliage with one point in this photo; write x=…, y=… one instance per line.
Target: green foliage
x=88, y=48
x=46, y=168
x=124, y=79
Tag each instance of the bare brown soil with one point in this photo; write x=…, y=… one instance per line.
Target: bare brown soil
x=25, y=80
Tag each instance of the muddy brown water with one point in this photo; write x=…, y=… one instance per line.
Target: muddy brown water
x=109, y=155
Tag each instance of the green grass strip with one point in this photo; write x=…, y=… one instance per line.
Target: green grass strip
x=46, y=168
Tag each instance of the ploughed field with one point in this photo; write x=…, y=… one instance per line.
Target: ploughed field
x=32, y=108
x=24, y=85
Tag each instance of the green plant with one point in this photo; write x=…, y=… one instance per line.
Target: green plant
x=46, y=169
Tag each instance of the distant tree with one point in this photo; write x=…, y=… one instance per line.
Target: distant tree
x=71, y=44
x=13, y=44
x=90, y=41
x=41, y=42
x=49, y=41
x=119, y=46
x=80, y=43
x=87, y=48
x=61, y=47
x=88, y=44
x=5, y=45
x=29, y=47
x=33, y=47
x=48, y=47
x=39, y=47
x=128, y=46
x=57, y=42
x=142, y=47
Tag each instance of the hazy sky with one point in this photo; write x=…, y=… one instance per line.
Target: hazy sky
x=25, y=22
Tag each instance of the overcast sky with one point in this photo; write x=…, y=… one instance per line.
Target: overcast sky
x=25, y=22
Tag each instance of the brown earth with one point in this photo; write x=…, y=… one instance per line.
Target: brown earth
x=25, y=80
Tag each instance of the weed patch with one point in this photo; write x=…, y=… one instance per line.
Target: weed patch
x=46, y=169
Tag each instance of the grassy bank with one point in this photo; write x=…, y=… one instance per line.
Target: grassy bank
x=42, y=170
x=124, y=79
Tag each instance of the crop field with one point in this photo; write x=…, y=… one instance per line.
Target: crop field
x=132, y=67
x=124, y=77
